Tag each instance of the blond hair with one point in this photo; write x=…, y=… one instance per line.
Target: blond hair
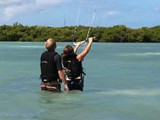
x=50, y=44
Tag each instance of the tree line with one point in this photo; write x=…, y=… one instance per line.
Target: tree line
x=118, y=33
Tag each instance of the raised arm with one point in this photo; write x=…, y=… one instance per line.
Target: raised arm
x=81, y=56
x=78, y=44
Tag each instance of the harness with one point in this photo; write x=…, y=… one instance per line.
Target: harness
x=49, y=70
x=73, y=68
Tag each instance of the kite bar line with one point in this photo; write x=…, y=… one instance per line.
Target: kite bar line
x=75, y=29
x=88, y=33
x=93, y=18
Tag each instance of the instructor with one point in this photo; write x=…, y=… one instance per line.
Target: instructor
x=51, y=68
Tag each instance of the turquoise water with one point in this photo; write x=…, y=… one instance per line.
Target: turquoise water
x=122, y=83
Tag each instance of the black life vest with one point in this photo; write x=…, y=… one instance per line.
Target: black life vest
x=49, y=70
x=73, y=66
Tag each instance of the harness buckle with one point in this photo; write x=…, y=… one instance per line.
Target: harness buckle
x=45, y=80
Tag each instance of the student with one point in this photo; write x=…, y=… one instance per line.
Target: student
x=72, y=64
x=51, y=68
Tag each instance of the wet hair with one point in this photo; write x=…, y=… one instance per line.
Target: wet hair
x=68, y=50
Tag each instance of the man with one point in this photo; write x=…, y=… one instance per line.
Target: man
x=51, y=68
x=72, y=63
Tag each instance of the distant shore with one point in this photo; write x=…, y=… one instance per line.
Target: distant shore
x=118, y=33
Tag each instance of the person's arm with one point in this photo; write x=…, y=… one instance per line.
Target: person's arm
x=78, y=44
x=57, y=59
x=61, y=75
x=81, y=56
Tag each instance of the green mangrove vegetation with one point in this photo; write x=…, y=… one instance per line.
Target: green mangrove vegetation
x=118, y=33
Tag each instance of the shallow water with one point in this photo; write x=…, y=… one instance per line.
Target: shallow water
x=122, y=83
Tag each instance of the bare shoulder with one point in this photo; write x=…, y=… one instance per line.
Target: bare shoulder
x=80, y=57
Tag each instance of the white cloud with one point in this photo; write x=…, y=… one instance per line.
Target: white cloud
x=8, y=2
x=49, y=2
x=11, y=11
x=112, y=13
x=14, y=8
x=157, y=8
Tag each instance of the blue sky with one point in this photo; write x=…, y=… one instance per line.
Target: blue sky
x=57, y=13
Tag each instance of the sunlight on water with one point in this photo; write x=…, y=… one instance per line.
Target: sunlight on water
x=141, y=92
x=142, y=54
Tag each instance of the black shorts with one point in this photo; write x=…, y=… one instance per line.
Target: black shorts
x=76, y=85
